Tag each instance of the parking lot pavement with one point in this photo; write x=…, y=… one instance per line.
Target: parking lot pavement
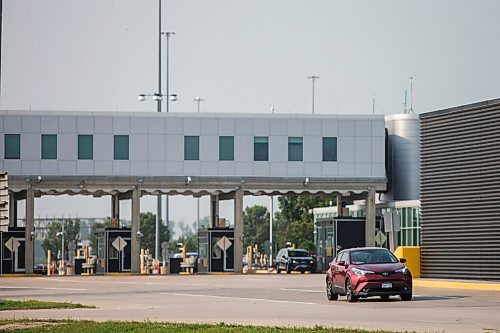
x=267, y=299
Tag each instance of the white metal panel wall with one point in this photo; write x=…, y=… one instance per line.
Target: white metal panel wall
x=156, y=144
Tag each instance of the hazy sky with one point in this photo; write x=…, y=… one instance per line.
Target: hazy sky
x=246, y=56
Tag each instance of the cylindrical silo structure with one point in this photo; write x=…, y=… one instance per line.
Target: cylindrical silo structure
x=403, y=157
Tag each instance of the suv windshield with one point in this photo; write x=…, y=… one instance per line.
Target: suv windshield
x=372, y=257
x=298, y=253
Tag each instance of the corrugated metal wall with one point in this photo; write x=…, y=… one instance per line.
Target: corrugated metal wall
x=460, y=192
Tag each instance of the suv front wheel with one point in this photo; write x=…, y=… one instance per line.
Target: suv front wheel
x=349, y=292
x=330, y=294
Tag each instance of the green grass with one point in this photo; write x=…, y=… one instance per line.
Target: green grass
x=6, y=304
x=63, y=326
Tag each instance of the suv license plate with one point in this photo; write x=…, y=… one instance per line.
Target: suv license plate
x=386, y=285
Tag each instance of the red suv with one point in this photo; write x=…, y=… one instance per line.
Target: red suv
x=368, y=271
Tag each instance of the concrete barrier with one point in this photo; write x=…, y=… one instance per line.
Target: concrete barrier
x=412, y=256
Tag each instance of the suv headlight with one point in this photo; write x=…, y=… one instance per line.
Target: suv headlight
x=294, y=261
x=311, y=261
x=403, y=270
x=360, y=272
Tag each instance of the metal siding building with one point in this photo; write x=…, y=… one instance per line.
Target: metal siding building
x=460, y=192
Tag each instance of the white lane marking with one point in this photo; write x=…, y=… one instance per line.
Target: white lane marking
x=303, y=290
x=239, y=298
x=189, y=284
x=41, y=288
x=69, y=281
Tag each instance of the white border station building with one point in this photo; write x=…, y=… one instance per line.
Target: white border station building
x=226, y=156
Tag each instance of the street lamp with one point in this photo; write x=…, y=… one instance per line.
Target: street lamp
x=172, y=97
x=167, y=34
x=61, y=233
x=198, y=99
x=313, y=78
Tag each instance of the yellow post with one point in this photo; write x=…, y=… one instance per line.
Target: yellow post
x=49, y=254
x=412, y=256
x=249, y=257
x=142, y=261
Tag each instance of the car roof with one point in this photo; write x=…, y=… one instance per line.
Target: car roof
x=366, y=248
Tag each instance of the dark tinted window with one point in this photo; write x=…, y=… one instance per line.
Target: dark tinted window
x=85, y=147
x=295, y=148
x=121, y=147
x=12, y=146
x=49, y=146
x=191, y=148
x=226, y=148
x=372, y=257
x=261, y=148
x=298, y=253
x=329, y=149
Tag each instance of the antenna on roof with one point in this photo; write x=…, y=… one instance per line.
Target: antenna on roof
x=411, y=95
x=405, y=103
x=373, y=104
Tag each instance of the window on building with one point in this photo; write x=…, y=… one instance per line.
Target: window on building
x=226, y=148
x=295, y=148
x=12, y=146
x=121, y=147
x=191, y=148
x=49, y=147
x=329, y=149
x=261, y=148
x=85, y=147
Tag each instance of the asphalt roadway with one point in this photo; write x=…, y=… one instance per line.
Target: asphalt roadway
x=257, y=299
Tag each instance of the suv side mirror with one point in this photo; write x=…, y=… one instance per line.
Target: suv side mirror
x=402, y=260
x=341, y=263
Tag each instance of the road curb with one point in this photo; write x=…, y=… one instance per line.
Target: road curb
x=470, y=285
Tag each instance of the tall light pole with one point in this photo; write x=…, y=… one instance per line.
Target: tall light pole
x=313, y=78
x=167, y=34
x=61, y=233
x=271, y=213
x=158, y=97
x=198, y=99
